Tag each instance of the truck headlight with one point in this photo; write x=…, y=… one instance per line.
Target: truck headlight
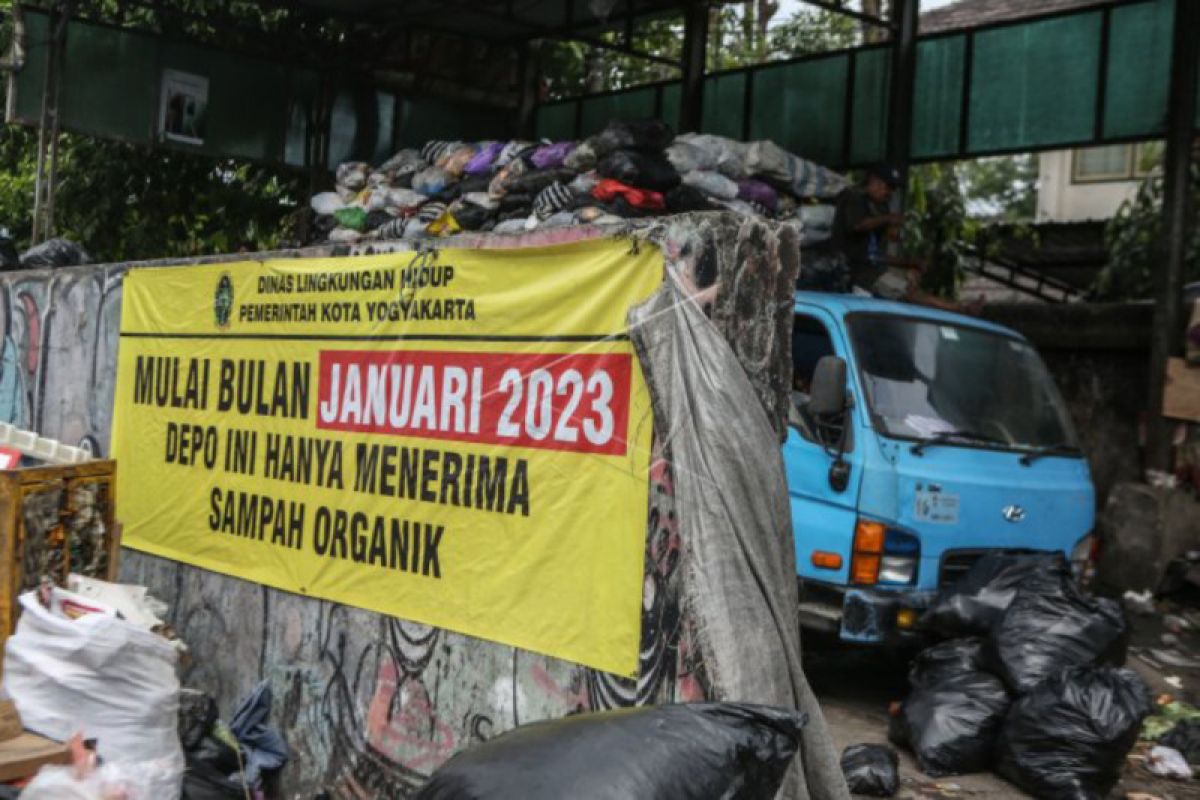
x=883, y=555
x=897, y=569
x=901, y=551
x=1083, y=559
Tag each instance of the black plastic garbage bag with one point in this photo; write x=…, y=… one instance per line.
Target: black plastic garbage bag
x=674, y=752
x=197, y=713
x=951, y=725
x=976, y=602
x=9, y=258
x=1053, y=625
x=871, y=770
x=55, y=253
x=649, y=136
x=1068, y=738
x=1184, y=737
x=640, y=170
x=204, y=781
x=945, y=659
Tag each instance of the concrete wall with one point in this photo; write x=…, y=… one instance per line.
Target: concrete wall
x=1098, y=355
x=1062, y=200
x=372, y=704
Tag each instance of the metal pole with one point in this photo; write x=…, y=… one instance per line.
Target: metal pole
x=60, y=48
x=903, y=78
x=530, y=74
x=1166, y=337
x=695, y=51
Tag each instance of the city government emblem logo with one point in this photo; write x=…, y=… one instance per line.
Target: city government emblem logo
x=223, y=301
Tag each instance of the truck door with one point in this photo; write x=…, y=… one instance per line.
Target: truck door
x=823, y=517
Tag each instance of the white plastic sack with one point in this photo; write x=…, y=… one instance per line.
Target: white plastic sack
x=713, y=184
x=727, y=156
x=103, y=677
x=326, y=203
x=108, y=782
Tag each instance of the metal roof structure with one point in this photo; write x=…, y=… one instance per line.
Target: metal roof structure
x=996, y=76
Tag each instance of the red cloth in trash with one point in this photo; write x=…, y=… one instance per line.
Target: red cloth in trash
x=609, y=189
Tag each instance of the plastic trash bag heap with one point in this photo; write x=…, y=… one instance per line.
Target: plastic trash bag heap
x=628, y=171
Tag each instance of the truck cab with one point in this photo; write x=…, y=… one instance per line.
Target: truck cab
x=919, y=440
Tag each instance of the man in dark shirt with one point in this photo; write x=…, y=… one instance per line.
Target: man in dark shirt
x=861, y=228
x=861, y=223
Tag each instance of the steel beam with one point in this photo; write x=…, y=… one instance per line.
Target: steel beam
x=829, y=5
x=530, y=76
x=903, y=78
x=1167, y=334
x=695, y=53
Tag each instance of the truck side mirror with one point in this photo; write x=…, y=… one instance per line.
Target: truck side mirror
x=827, y=395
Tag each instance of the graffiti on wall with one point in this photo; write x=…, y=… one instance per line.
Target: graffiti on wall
x=58, y=353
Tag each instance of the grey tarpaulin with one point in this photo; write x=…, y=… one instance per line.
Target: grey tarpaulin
x=736, y=520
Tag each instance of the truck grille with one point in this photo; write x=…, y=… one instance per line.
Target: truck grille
x=957, y=563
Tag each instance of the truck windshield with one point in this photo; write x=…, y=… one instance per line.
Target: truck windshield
x=931, y=380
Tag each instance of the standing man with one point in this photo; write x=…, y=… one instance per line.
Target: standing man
x=862, y=226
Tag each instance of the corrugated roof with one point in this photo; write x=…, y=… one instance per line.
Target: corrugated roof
x=973, y=13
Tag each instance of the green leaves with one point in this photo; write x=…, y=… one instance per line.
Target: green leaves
x=123, y=202
x=1134, y=241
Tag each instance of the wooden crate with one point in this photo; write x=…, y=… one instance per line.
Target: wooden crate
x=55, y=520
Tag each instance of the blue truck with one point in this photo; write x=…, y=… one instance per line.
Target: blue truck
x=918, y=441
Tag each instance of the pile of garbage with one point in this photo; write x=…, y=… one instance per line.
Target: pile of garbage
x=92, y=707
x=50, y=253
x=627, y=171
x=1029, y=685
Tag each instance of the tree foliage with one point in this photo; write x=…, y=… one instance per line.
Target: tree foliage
x=1002, y=188
x=937, y=227
x=1134, y=241
x=124, y=202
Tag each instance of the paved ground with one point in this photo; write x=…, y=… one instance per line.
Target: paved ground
x=855, y=687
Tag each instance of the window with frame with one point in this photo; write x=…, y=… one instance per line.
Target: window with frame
x=1116, y=162
x=1098, y=164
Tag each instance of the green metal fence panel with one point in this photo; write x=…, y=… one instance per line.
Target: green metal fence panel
x=112, y=86
x=672, y=98
x=246, y=115
x=343, y=128
x=868, y=129
x=724, y=104
x=385, y=139
x=108, y=83
x=1035, y=84
x=1138, y=69
x=937, y=101
x=598, y=111
x=303, y=92
x=556, y=121
x=802, y=107
x=426, y=118
x=25, y=85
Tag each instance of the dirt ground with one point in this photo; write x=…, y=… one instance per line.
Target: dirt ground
x=855, y=686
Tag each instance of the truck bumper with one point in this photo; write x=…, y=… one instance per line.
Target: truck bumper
x=863, y=616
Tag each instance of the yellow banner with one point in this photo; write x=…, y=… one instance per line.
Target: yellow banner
x=457, y=437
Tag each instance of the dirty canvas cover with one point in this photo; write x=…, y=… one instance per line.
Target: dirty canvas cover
x=455, y=437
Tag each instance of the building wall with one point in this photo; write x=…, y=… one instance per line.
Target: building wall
x=1099, y=356
x=1060, y=200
